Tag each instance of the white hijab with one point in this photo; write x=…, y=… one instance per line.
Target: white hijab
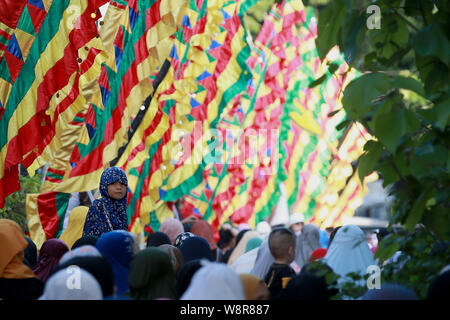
x=72, y=283
x=349, y=252
x=264, y=260
x=246, y=262
x=214, y=281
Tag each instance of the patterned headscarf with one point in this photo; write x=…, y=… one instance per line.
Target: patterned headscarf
x=51, y=252
x=117, y=247
x=182, y=237
x=106, y=207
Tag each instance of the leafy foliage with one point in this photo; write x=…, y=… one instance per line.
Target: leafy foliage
x=403, y=100
x=15, y=203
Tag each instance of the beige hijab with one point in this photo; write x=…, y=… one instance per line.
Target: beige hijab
x=240, y=248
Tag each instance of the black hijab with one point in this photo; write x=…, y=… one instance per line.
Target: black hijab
x=86, y=240
x=158, y=238
x=185, y=275
x=30, y=254
x=99, y=267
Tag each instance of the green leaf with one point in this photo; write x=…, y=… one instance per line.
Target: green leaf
x=443, y=114
x=384, y=253
x=367, y=162
x=351, y=34
x=389, y=130
x=408, y=83
x=317, y=81
x=390, y=127
x=415, y=215
x=388, y=174
x=329, y=21
x=432, y=41
x=342, y=125
x=333, y=67
x=359, y=93
x=438, y=220
x=334, y=112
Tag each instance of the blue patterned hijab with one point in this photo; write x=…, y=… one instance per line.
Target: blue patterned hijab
x=117, y=247
x=107, y=214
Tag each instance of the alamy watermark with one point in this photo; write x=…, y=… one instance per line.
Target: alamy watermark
x=374, y=20
x=73, y=282
x=374, y=280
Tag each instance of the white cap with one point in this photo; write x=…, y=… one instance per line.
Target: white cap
x=263, y=228
x=296, y=218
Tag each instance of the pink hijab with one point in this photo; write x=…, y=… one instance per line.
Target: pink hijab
x=172, y=227
x=203, y=229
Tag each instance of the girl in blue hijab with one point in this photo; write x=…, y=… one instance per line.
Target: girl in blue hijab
x=110, y=211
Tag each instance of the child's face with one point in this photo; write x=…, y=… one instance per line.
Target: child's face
x=116, y=190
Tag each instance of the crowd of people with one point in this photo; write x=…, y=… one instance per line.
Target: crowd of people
x=181, y=260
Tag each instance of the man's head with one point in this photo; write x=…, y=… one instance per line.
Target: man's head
x=282, y=245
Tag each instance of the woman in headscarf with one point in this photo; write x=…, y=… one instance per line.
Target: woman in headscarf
x=203, y=229
x=349, y=252
x=227, y=240
x=240, y=247
x=263, y=261
x=83, y=251
x=307, y=242
x=176, y=257
x=17, y=281
x=51, y=252
x=214, y=281
x=83, y=287
x=97, y=266
x=185, y=275
x=157, y=238
x=195, y=248
x=117, y=246
x=74, y=228
x=151, y=275
x=229, y=252
x=245, y=263
x=253, y=243
x=254, y=288
x=172, y=227
x=86, y=240
x=182, y=237
x=110, y=211
x=30, y=254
